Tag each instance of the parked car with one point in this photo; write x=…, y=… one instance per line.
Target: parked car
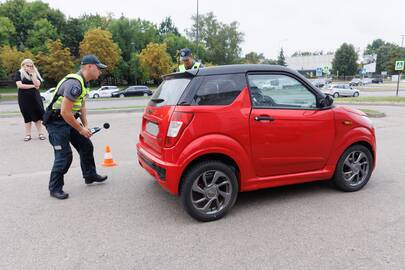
x=103, y=91
x=48, y=94
x=341, y=90
x=356, y=82
x=377, y=80
x=319, y=82
x=208, y=134
x=137, y=90
x=365, y=81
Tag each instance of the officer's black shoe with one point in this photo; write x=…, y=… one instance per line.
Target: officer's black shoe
x=59, y=195
x=96, y=178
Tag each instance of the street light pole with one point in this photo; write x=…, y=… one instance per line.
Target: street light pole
x=399, y=72
x=196, y=54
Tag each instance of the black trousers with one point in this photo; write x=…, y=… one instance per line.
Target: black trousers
x=61, y=135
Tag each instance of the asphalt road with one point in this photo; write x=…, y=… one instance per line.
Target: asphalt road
x=129, y=222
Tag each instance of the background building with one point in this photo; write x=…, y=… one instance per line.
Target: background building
x=311, y=65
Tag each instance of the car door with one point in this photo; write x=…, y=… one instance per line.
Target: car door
x=130, y=92
x=289, y=133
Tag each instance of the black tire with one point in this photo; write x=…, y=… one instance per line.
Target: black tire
x=121, y=95
x=96, y=96
x=344, y=172
x=356, y=94
x=336, y=95
x=218, y=204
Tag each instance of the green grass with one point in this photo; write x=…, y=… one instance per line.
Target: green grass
x=8, y=90
x=385, y=100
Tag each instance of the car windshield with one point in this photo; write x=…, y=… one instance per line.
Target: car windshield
x=169, y=92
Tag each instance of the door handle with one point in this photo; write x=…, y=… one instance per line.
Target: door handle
x=264, y=118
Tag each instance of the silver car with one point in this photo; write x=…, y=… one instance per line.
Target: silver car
x=341, y=90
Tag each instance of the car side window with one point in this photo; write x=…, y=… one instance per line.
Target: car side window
x=279, y=91
x=219, y=89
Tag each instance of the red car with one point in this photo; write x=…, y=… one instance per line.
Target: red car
x=208, y=134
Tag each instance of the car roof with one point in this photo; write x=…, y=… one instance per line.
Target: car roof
x=230, y=69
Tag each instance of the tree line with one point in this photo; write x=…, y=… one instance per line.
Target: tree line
x=135, y=50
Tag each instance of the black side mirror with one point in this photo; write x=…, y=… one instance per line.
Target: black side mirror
x=326, y=102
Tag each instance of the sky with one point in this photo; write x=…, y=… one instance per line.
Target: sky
x=269, y=25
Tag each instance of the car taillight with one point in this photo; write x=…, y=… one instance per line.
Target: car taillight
x=178, y=122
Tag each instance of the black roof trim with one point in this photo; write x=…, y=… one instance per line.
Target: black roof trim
x=228, y=69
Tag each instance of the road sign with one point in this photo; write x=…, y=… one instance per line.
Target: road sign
x=399, y=65
x=318, y=72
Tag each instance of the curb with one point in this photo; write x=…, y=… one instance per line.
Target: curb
x=123, y=110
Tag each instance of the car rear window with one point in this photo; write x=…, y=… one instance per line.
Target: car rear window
x=219, y=89
x=169, y=92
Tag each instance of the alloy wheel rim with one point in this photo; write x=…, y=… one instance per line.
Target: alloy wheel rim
x=355, y=168
x=211, y=192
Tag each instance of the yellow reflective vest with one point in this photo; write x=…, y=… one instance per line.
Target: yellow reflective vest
x=196, y=65
x=77, y=105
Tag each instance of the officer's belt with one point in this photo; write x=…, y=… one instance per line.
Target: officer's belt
x=56, y=115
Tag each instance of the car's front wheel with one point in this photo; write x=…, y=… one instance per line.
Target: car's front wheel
x=122, y=95
x=336, y=95
x=209, y=190
x=96, y=96
x=354, y=168
x=356, y=94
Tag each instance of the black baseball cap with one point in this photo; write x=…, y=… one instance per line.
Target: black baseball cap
x=185, y=53
x=92, y=59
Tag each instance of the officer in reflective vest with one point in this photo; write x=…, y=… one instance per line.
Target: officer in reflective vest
x=64, y=128
x=186, y=57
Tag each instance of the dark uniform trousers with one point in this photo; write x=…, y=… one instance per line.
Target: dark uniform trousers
x=60, y=135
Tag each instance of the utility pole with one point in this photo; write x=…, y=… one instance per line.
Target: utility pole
x=399, y=72
x=196, y=54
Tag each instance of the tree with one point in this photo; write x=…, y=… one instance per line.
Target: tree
x=24, y=14
x=374, y=46
x=72, y=35
x=89, y=21
x=132, y=35
x=11, y=58
x=55, y=64
x=13, y=10
x=253, y=58
x=155, y=61
x=7, y=31
x=38, y=36
x=281, y=58
x=384, y=53
x=167, y=26
x=269, y=62
x=221, y=41
x=394, y=55
x=99, y=42
x=345, y=60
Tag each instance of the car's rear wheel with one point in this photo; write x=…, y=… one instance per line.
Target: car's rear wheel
x=336, y=95
x=145, y=94
x=96, y=96
x=209, y=190
x=356, y=94
x=354, y=168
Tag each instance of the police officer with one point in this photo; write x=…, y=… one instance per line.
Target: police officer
x=64, y=128
x=186, y=57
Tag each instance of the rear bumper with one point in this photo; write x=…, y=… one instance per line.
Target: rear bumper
x=166, y=174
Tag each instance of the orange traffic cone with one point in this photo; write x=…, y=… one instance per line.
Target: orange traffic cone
x=108, y=160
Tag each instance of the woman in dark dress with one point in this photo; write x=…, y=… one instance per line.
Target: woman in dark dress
x=28, y=81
